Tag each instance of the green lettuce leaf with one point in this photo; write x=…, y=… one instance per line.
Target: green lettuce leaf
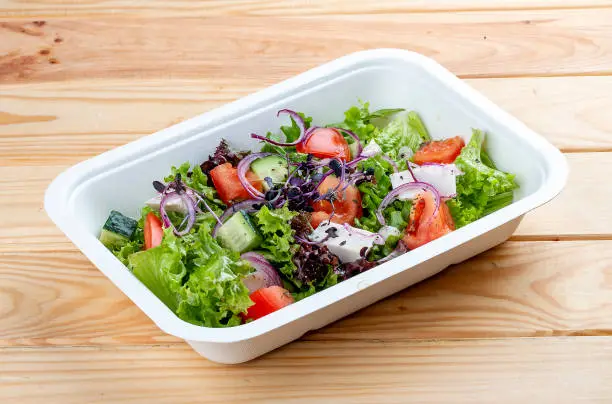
x=404, y=130
x=214, y=293
x=308, y=290
x=161, y=270
x=127, y=249
x=278, y=243
x=357, y=120
x=288, y=133
x=381, y=251
x=195, y=179
x=372, y=194
x=482, y=189
x=196, y=277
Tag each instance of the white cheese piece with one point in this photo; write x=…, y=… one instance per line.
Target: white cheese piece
x=388, y=231
x=345, y=241
x=174, y=204
x=443, y=177
x=372, y=149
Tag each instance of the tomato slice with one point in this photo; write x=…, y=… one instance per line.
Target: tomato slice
x=424, y=226
x=229, y=187
x=439, y=151
x=346, y=208
x=325, y=143
x=267, y=300
x=153, y=231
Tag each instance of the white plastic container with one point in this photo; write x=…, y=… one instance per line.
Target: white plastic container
x=79, y=199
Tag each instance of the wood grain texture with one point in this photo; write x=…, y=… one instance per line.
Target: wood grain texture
x=58, y=8
x=475, y=44
x=28, y=227
x=80, y=77
x=554, y=370
x=520, y=289
x=63, y=122
x=575, y=213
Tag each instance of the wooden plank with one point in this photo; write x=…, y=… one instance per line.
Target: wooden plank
x=28, y=228
x=545, y=370
x=566, y=216
x=63, y=122
x=190, y=8
x=520, y=289
x=476, y=44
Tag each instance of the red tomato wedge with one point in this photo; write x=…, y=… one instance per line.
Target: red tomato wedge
x=229, y=187
x=268, y=300
x=424, y=226
x=439, y=151
x=346, y=208
x=153, y=231
x=325, y=143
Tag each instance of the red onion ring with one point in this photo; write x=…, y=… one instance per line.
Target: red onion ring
x=243, y=167
x=390, y=161
x=417, y=188
x=399, y=250
x=298, y=120
x=264, y=276
x=411, y=173
x=191, y=213
x=355, y=137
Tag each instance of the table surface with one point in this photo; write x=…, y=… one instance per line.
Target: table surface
x=529, y=321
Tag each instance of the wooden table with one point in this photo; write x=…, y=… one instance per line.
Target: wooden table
x=528, y=322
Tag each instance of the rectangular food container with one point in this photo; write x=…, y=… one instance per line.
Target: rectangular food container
x=80, y=199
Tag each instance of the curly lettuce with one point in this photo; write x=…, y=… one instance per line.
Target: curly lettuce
x=405, y=130
x=195, y=179
x=280, y=248
x=482, y=189
x=195, y=277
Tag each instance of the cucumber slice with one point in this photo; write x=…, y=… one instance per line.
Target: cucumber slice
x=117, y=230
x=274, y=167
x=238, y=233
x=112, y=240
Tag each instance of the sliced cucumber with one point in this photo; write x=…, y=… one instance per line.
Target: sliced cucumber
x=238, y=233
x=117, y=230
x=274, y=167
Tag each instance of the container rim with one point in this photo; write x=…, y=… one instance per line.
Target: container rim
x=61, y=188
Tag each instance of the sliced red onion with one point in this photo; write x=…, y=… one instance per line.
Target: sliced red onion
x=300, y=122
x=208, y=208
x=264, y=276
x=191, y=213
x=411, y=173
x=390, y=161
x=356, y=161
x=408, y=191
x=243, y=167
x=376, y=238
x=247, y=206
x=309, y=133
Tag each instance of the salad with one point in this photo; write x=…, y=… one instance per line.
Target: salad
x=246, y=233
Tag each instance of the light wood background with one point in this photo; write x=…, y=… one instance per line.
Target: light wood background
x=527, y=322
